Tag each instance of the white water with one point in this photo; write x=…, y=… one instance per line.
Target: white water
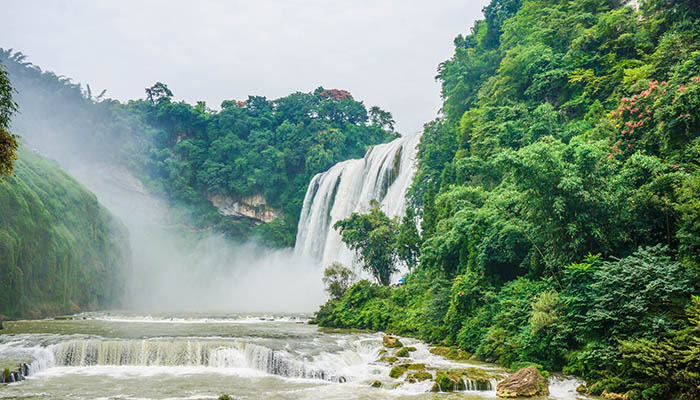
x=384, y=174
x=178, y=356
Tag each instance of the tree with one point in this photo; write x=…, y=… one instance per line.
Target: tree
x=337, y=279
x=373, y=237
x=408, y=242
x=8, y=141
x=158, y=92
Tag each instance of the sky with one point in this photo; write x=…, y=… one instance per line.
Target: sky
x=385, y=52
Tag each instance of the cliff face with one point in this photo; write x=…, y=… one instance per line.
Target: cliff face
x=61, y=250
x=251, y=207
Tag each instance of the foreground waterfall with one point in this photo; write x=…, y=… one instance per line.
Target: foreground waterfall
x=384, y=174
x=93, y=352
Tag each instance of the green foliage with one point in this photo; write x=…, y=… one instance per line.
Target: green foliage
x=61, y=250
x=559, y=196
x=408, y=241
x=337, y=279
x=373, y=237
x=8, y=142
x=188, y=153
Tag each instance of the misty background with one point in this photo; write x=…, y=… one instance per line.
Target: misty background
x=384, y=52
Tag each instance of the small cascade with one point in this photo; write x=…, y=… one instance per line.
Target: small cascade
x=384, y=174
x=182, y=353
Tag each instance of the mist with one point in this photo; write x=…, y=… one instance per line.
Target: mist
x=173, y=266
x=178, y=268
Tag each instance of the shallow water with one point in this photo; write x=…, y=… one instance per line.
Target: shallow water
x=201, y=356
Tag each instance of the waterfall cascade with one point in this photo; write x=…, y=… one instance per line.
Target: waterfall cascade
x=82, y=353
x=384, y=174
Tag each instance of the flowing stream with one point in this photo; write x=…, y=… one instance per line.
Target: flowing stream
x=201, y=356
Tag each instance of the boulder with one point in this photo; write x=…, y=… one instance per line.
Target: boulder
x=613, y=396
x=403, y=352
x=525, y=382
x=419, y=376
x=392, y=342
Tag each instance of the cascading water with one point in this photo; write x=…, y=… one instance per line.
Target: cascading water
x=94, y=352
x=384, y=174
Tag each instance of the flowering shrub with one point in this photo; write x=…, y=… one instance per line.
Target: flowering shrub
x=660, y=118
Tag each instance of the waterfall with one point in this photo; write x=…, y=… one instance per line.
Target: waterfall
x=89, y=352
x=384, y=174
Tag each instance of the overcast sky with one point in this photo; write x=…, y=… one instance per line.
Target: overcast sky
x=384, y=52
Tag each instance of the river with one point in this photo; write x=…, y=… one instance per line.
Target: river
x=202, y=356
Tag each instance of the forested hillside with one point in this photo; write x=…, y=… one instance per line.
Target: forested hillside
x=61, y=250
x=560, y=199
x=255, y=155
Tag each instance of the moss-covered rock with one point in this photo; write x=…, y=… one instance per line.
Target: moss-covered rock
x=391, y=342
x=376, y=384
x=451, y=353
x=403, y=352
x=419, y=376
x=388, y=359
x=526, y=382
x=447, y=382
x=398, y=370
x=462, y=379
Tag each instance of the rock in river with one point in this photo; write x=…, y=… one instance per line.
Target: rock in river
x=526, y=382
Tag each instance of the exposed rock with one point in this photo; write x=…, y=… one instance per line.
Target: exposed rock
x=525, y=382
x=419, y=376
x=613, y=396
x=403, y=352
x=1, y=324
x=398, y=370
x=392, y=342
x=376, y=384
x=253, y=207
x=388, y=359
x=581, y=389
x=462, y=379
x=452, y=353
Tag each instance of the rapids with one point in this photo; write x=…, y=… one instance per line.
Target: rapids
x=201, y=356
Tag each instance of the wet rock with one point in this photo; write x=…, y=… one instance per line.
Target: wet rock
x=382, y=351
x=581, y=389
x=1, y=325
x=462, y=379
x=403, y=352
x=613, y=396
x=451, y=353
x=525, y=382
x=445, y=382
x=392, y=342
x=419, y=376
x=376, y=384
x=398, y=370
x=342, y=379
x=388, y=359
